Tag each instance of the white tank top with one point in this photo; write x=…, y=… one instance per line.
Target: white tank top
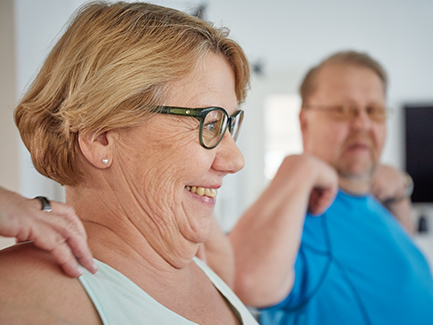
x=120, y=301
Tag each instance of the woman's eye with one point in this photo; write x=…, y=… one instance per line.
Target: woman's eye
x=210, y=126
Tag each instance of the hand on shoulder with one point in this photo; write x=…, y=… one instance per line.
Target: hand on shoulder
x=59, y=232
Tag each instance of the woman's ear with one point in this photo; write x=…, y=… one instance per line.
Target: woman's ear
x=97, y=150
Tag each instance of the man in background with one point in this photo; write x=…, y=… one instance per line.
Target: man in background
x=351, y=263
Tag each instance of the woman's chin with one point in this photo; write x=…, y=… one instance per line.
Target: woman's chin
x=200, y=231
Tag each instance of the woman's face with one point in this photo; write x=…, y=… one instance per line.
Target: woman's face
x=161, y=160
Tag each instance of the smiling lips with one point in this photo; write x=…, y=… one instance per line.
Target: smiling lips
x=210, y=192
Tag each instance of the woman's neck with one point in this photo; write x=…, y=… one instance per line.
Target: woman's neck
x=119, y=228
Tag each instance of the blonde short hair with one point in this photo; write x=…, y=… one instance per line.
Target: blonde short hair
x=105, y=72
x=308, y=85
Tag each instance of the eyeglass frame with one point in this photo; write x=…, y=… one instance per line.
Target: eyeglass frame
x=353, y=108
x=200, y=115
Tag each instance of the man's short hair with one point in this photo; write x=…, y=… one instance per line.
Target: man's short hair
x=308, y=85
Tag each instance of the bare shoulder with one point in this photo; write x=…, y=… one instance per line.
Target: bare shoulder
x=34, y=290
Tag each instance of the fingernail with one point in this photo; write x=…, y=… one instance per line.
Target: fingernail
x=80, y=270
x=94, y=267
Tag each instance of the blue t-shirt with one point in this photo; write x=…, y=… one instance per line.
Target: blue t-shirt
x=356, y=265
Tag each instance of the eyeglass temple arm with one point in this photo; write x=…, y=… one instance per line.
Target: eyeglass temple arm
x=180, y=111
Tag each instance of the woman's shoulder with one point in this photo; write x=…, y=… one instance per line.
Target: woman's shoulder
x=34, y=289
x=22, y=255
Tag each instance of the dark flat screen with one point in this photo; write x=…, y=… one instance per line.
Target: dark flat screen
x=419, y=150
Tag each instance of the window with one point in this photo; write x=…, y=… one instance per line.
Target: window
x=282, y=131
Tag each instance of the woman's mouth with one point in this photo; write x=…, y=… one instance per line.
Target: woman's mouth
x=202, y=191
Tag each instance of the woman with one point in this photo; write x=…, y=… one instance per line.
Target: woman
x=127, y=113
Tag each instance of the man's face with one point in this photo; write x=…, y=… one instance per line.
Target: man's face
x=353, y=146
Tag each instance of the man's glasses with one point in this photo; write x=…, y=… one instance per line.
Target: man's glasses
x=214, y=122
x=348, y=112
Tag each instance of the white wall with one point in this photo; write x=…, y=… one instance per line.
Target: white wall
x=37, y=25
x=9, y=174
x=288, y=37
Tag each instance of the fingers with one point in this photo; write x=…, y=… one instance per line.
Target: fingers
x=67, y=246
x=59, y=232
x=388, y=182
x=75, y=237
x=71, y=246
x=324, y=190
x=63, y=256
x=82, y=253
x=320, y=200
x=68, y=213
x=375, y=191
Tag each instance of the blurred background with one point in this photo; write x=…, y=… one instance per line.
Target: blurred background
x=282, y=39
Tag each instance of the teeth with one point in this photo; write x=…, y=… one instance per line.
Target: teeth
x=211, y=192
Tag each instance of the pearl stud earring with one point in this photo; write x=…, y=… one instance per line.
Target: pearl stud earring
x=105, y=161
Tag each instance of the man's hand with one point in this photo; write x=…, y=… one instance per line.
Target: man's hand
x=390, y=186
x=325, y=187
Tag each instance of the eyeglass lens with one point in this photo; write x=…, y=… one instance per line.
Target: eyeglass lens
x=215, y=124
x=235, y=124
x=375, y=113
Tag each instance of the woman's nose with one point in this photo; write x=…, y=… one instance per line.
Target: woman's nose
x=229, y=158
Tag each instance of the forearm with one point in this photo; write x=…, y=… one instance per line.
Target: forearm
x=265, y=243
x=266, y=239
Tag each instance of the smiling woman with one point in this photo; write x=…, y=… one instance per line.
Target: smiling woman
x=143, y=183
